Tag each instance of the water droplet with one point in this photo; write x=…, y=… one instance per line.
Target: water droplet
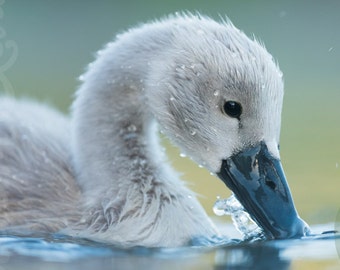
x=182, y=66
x=189, y=197
x=81, y=78
x=263, y=86
x=280, y=73
x=193, y=132
x=182, y=155
x=212, y=174
x=330, y=49
x=172, y=98
x=132, y=128
x=200, y=166
x=219, y=207
x=216, y=93
x=186, y=120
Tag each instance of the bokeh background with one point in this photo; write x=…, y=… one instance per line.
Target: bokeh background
x=57, y=39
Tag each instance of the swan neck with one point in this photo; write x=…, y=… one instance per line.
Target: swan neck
x=114, y=134
x=116, y=152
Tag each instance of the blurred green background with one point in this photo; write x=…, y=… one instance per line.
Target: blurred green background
x=56, y=40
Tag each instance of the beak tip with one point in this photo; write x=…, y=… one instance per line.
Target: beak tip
x=298, y=229
x=306, y=231
x=258, y=181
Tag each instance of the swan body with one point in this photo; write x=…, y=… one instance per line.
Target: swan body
x=102, y=174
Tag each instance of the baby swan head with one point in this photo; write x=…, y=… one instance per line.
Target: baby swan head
x=218, y=95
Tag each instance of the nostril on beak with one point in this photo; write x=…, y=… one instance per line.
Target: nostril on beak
x=270, y=184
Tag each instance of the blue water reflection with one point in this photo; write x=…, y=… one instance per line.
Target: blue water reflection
x=53, y=251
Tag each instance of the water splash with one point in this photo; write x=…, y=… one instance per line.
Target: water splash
x=241, y=219
x=182, y=155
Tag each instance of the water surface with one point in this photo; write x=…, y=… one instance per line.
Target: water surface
x=62, y=252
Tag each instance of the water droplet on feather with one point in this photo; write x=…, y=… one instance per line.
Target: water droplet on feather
x=132, y=128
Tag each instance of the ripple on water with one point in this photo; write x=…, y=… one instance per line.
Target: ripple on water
x=53, y=249
x=48, y=251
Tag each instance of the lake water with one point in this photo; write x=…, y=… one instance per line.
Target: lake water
x=63, y=252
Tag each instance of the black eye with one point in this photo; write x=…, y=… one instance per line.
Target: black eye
x=233, y=109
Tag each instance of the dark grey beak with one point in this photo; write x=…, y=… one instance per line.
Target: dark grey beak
x=258, y=182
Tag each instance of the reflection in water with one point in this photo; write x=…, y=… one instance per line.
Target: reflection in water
x=255, y=256
x=18, y=252
x=46, y=251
